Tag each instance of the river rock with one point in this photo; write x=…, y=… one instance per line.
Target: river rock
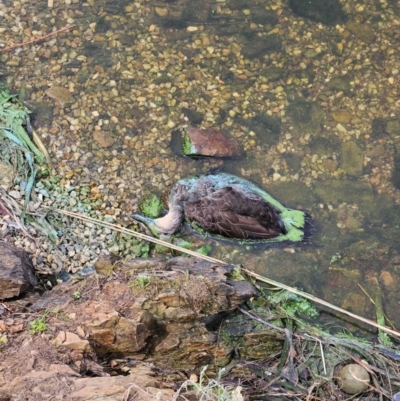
x=389, y=280
x=16, y=271
x=139, y=384
x=380, y=209
x=165, y=322
x=332, y=191
x=352, y=158
x=341, y=116
x=293, y=193
x=376, y=152
x=103, y=138
x=161, y=11
x=195, y=117
x=197, y=11
x=340, y=84
x=6, y=175
x=105, y=264
x=378, y=127
x=307, y=117
x=259, y=46
x=393, y=126
x=61, y=95
x=273, y=73
x=324, y=146
x=71, y=341
x=208, y=142
x=396, y=171
x=268, y=129
x=330, y=165
x=264, y=17
x=362, y=31
x=53, y=379
x=293, y=162
x=328, y=12
x=353, y=379
x=42, y=112
x=115, y=334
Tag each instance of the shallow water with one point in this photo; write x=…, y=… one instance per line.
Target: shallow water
x=313, y=105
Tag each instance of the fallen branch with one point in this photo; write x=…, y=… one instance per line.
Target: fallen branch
x=30, y=42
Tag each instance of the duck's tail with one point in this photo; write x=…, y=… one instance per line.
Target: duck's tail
x=299, y=226
x=309, y=228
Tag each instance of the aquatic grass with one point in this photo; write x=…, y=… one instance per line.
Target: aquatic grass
x=17, y=149
x=13, y=117
x=19, y=152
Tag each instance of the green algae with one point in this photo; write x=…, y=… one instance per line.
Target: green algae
x=151, y=206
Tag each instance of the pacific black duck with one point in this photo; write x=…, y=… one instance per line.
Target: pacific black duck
x=227, y=206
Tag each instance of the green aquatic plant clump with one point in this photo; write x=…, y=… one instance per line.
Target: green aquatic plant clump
x=151, y=206
x=13, y=120
x=16, y=147
x=187, y=149
x=293, y=304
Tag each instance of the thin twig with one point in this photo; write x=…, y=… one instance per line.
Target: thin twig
x=264, y=322
x=30, y=42
x=4, y=210
x=322, y=355
x=373, y=302
x=366, y=293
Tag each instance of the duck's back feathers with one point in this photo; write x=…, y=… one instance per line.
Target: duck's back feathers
x=235, y=213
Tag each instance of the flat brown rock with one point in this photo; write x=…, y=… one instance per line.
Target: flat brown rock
x=112, y=333
x=208, y=142
x=61, y=95
x=103, y=139
x=72, y=341
x=362, y=31
x=138, y=385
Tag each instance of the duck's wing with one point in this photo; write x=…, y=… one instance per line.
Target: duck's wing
x=233, y=213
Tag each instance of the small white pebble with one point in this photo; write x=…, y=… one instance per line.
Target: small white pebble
x=276, y=176
x=15, y=194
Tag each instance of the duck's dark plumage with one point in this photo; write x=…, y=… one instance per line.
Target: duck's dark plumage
x=232, y=213
x=231, y=207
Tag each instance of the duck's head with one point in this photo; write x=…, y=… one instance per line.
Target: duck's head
x=168, y=224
